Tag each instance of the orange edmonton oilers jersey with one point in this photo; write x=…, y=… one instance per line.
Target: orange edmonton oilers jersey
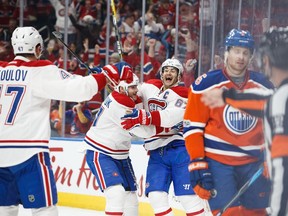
x=225, y=134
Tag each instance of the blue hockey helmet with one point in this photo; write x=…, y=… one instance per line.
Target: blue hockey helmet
x=240, y=38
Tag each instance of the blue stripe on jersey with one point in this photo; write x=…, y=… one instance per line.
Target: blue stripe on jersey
x=107, y=152
x=232, y=148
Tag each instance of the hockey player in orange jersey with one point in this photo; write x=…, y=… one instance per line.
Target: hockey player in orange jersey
x=273, y=50
x=226, y=145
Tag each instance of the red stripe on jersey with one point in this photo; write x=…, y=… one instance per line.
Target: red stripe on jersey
x=195, y=213
x=45, y=173
x=59, y=149
x=24, y=141
x=164, y=213
x=105, y=147
x=279, y=146
x=113, y=213
x=98, y=170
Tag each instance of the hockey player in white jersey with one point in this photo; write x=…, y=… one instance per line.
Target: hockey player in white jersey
x=164, y=104
x=107, y=153
x=27, y=86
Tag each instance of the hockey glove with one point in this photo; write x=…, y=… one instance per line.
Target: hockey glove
x=111, y=73
x=125, y=71
x=136, y=118
x=96, y=70
x=201, y=178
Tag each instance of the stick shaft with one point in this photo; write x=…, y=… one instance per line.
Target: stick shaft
x=72, y=52
x=118, y=41
x=242, y=190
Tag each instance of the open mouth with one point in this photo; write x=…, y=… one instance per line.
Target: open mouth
x=169, y=79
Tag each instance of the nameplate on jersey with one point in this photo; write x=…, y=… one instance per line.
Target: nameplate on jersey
x=13, y=75
x=238, y=122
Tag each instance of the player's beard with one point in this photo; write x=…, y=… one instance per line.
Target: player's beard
x=236, y=69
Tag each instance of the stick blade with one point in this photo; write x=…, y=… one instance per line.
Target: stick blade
x=57, y=34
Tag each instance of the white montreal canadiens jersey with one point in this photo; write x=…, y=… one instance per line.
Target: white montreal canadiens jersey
x=106, y=134
x=171, y=104
x=26, y=90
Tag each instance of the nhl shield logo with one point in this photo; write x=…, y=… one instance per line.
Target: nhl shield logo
x=31, y=198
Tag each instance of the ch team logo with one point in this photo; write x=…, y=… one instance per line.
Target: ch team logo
x=155, y=104
x=238, y=122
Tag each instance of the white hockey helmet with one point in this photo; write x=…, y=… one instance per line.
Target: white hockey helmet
x=25, y=39
x=173, y=63
x=126, y=85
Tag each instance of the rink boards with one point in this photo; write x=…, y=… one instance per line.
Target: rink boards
x=77, y=187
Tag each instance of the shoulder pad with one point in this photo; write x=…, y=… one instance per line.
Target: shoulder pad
x=181, y=91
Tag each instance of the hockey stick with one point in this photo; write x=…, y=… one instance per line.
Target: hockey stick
x=58, y=35
x=119, y=46
x=242, y=190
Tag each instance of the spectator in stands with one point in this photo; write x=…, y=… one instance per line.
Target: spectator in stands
x=59, y=6
x=132, y=54
x=89, y=24
x=101, y=41
x=77, y=120
x=156, y=65
x=76, y=68
x=152, y=28
x=6, y=32
x=52, y=50
x=127, y=26
x=6, y=11
x=165, y=12
x=29, y=13
x=6, y=51
x=89, y=8
x=114, y=58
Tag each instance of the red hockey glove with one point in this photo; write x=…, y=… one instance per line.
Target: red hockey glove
x=201, y=178
x=117, y=72
x=111, y=73
x=125, y=72
x=136, y=118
